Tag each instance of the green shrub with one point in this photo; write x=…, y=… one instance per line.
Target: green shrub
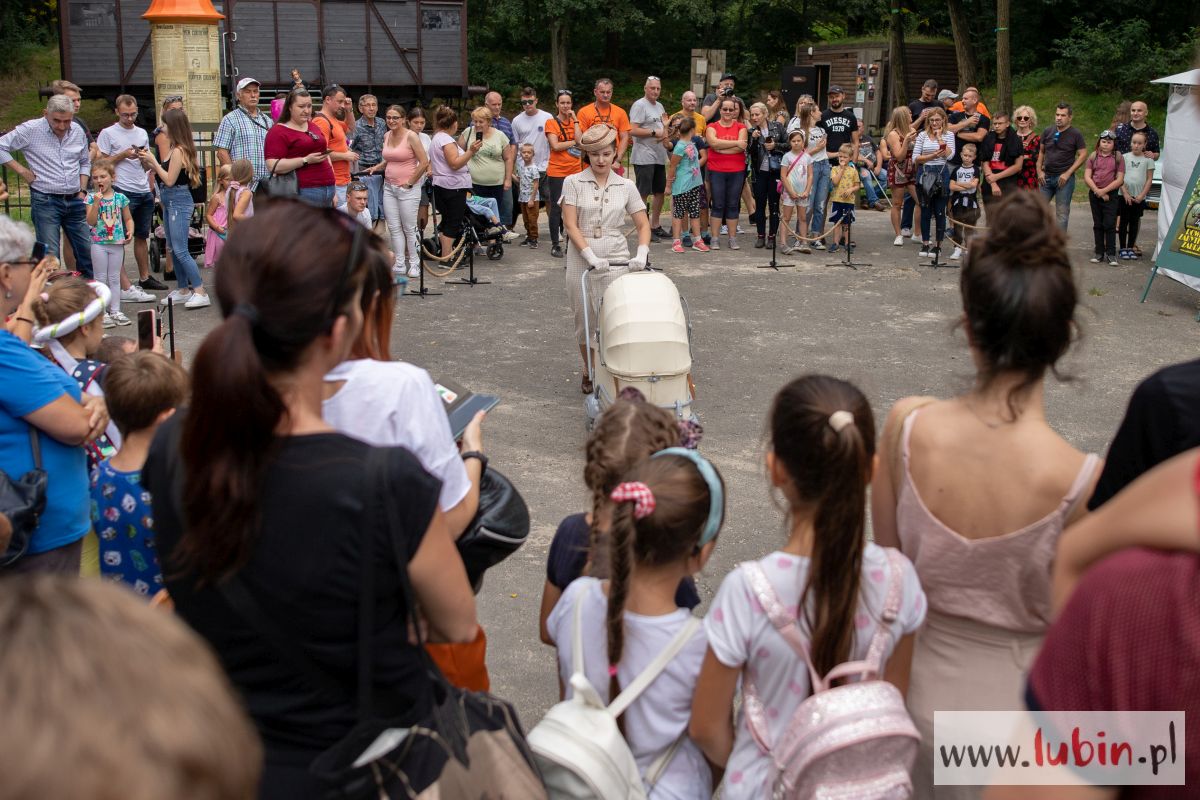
x=1124, y=55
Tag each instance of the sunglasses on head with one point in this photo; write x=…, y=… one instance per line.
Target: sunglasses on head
x=175, y=98
x=561, y=92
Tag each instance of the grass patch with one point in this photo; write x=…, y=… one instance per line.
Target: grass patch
x=19, y=99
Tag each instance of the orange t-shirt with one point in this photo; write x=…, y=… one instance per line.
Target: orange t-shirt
x=615, y=116
x=562, y=163
x=980, y=107
x=337, y=143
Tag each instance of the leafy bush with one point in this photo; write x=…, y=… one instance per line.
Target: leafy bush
x=1125, y=55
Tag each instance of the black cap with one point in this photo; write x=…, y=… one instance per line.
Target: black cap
x=835, y=89
x=728, y=76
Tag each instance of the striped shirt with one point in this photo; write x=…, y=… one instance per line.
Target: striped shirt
x=243, y=136
x=56, y=163
x=924, y=145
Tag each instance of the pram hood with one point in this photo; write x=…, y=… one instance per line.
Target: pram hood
x=643, y=327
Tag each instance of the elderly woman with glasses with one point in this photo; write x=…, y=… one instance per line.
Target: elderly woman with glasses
x=595, y=203
x=1026, y=125
x=297, y=145
x=40, y=402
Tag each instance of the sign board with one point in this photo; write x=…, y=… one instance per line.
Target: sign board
x=187, y=62
x=1180, y=251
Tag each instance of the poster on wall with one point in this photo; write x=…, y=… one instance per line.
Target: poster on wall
x=187, y=64
x=1180, y=251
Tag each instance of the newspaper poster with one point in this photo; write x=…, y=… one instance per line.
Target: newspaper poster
x=1181, y=250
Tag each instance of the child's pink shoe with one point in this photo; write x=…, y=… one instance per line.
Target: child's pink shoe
x=700, y=246
x=677, y=247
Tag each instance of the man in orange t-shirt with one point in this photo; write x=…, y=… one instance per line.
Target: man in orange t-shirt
x=604, y=111
x=340, y=154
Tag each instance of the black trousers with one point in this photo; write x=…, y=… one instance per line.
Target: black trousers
x=765, y=197
x=1130, y=216
x=1104, y=223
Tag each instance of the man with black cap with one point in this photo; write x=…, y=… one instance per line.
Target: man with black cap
x=243, y=131
x=839, y=123
x=711, y=107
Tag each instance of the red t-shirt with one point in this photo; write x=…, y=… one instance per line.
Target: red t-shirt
x=726, y=162
x=283, y=142
x=1129, y=640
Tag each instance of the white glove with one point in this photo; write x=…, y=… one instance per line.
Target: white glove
x=638, y=262
x=593, y=260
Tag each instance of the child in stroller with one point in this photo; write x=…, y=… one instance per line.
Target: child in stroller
x=489, y=209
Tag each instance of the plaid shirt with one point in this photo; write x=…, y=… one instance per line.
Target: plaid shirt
x=56, y=163
x=243, y=136
x=368, y=142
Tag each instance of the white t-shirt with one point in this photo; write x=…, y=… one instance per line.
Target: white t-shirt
x=662, y=712
x=740, y=634
x=798, y=176
x=817, y=135
x=131, y=176
x=644, y=114
x=427, y=143
x=531, y=129
x=388, y=403
x=924, y=145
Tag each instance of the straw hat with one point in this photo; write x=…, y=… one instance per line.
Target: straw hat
x=597, y=137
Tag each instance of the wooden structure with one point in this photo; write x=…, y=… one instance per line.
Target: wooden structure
x=863, y=67
x=400, y=49
x=707, y=66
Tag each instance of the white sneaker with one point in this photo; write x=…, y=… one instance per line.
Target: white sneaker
x=509, y=236
x=957, y=254
x=176, y=295
x=414, y=270
x=136, y=294
x=905, y=233
x=120, y=318
x=818, y=245
x=724, y=230
x=925, y=252
x=733, y=245
x=899, y=241
x=916, y=237
x=739, y=229
x=198, y=300
x=109, y=322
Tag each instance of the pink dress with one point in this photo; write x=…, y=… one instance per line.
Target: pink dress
x=989, y=607
x=213, y=242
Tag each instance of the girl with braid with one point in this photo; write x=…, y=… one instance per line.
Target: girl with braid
x=628, y=432
x=666, y=514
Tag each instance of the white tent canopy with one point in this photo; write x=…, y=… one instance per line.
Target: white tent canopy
x=1180, y=149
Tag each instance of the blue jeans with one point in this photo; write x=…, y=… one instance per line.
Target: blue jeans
x=141, y=208
x=52, y=212
x=937, y=207
x=906, y=211
x=873, y=184
x=319, y=196
x=177, y=216
x=1062, y=197
x=821, y=185
x=374, y=195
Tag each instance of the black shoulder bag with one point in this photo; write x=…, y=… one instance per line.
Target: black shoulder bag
x=23, y=500
x=468, y=745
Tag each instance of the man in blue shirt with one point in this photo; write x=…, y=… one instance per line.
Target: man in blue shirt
x=495, y=104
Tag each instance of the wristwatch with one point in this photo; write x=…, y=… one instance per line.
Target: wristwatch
x=483, y=460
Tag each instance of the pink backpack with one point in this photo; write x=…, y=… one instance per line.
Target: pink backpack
x=850, y=741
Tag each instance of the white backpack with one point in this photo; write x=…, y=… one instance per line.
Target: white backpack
x=855, y=741
x=578, y=746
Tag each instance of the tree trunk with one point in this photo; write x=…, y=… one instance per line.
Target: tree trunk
x=558, y=54
x=1003, y=59
x=968, y=69
x=612, y=49
x=897, y=60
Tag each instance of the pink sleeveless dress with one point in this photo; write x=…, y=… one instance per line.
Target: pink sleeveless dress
x=989, y=607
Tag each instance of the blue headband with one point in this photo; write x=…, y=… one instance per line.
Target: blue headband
x=716, y=506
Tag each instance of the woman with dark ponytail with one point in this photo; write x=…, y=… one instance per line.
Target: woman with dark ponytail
x=252, y=488
x=666, y=515
x=977, y=489
x=822, y=448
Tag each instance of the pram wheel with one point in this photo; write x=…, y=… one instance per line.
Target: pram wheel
x=155, y=257
x=495, y=251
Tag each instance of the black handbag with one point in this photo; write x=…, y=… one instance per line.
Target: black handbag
x=23, y=500
x=286, y=185
x=499, y=528
x=929, y=186
x=468, y=745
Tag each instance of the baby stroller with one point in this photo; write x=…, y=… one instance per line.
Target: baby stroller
x=479, y=232
x=158, y=239
x=641, y=337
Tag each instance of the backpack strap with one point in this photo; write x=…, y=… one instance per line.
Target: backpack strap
x=653, y=670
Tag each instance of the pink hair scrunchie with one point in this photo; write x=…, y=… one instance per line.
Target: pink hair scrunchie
x=637, y=493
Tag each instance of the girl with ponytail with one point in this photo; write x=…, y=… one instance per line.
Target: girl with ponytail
x=666, y=514
x=252, y=488
x=821, y=457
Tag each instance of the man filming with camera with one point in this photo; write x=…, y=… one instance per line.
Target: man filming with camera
x=711, y=108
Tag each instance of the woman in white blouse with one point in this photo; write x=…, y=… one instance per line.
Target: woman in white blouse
x=933, y=148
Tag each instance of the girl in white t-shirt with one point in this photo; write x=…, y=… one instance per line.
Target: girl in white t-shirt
x=796, y=176
x=834, y=581
x=665, y=520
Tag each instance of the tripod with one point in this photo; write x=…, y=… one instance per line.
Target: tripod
x=470, y=244
x=422, y=290
x=854, y=265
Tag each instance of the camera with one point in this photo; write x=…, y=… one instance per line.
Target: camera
x=727, y=92
x=769, y=139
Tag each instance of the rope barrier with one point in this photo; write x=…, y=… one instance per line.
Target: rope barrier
x=953, y=221
x=457, y=254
